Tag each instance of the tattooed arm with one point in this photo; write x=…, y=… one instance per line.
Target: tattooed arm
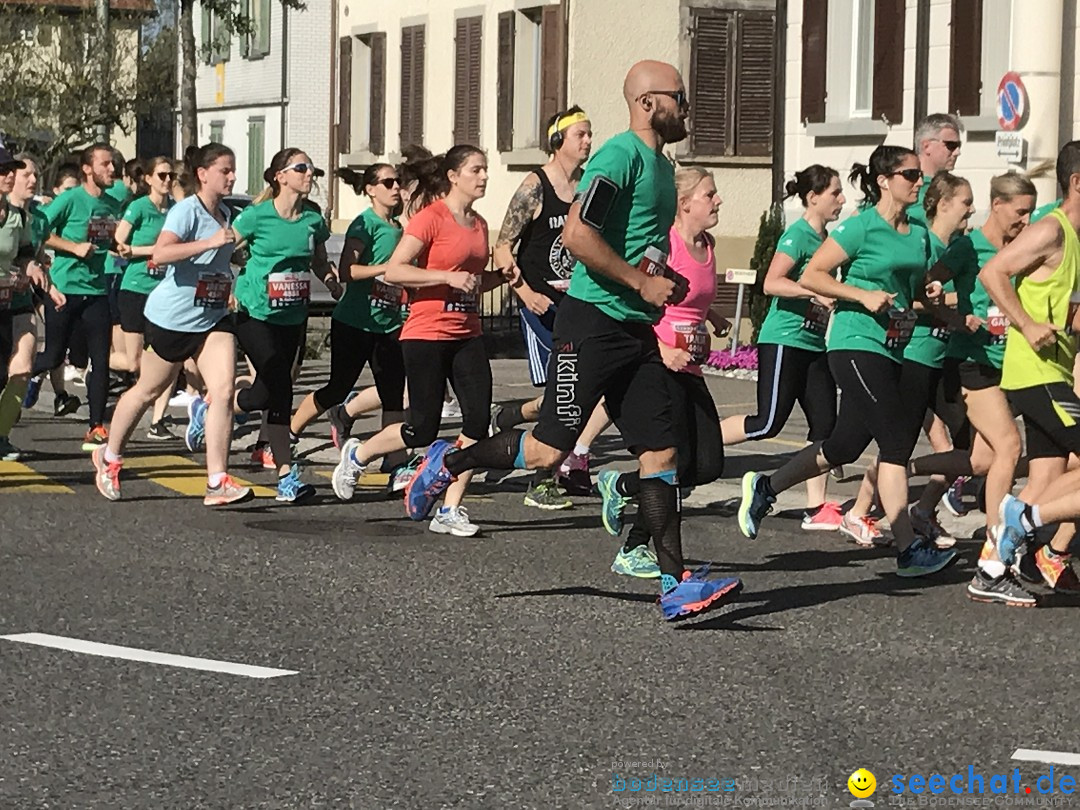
x=524, y=208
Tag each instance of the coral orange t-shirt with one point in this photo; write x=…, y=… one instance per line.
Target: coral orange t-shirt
x=442, y=312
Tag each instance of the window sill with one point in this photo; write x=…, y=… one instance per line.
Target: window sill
x=524, y=157
x=848, y=129
x=734, y=161
x=362, y=158
x=980, y=123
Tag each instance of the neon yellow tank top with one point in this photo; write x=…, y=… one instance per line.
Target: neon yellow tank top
x=1049, y=302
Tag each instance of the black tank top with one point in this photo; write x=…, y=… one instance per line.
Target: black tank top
x=541, y=255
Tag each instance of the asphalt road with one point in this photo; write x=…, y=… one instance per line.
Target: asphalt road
x=510, y=670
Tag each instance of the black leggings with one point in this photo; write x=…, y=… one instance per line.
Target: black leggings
x=272, y=350
x=787, y=376
x=872, y=408
x=921, y=387
x=91, y=312
x=7, y=343
x=429, y=364
x=350, y=350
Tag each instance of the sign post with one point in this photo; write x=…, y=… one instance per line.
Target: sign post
x=742, y=278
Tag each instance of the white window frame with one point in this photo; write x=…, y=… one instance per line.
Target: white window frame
x=528, y=60
x=861, y=73
x=996, y=52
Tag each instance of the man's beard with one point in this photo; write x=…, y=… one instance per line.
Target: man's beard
x=671, y=128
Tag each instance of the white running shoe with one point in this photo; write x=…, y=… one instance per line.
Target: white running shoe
x=451, y=409
x=454, y=520
x=863, y=530
x=347, y=472
x=181, y=399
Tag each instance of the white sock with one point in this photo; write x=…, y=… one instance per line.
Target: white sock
x=111, y=457
x=581, y=450
x=215, y=479
x=992, y=568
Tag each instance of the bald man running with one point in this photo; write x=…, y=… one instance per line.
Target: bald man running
x=604, y=344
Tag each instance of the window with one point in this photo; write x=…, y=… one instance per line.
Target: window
x=215, y=38
x=467, y=53
x=732, y=58
x=217, y=131
x=412, y=85
x=862, y=66
x=532, y=69
x=362, y=94
x=978, y=55
x=256, y=155
x=256, y=43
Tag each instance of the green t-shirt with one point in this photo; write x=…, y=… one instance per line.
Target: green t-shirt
x=371, y=304
x=39, y=231
x=15, y=237
x=146, y=220
x=930, y=337
x=639, y=218
x=879, y=258
x=275, y=284
x=965, y=258
x=915, y=212
x=1043, y=210
x=122, y=194
x=797, y=322
x=79, y=217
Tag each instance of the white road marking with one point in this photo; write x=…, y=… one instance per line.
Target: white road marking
x=1050, y=757
x=147, y=656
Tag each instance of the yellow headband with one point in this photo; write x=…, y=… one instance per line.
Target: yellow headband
x=567, y=121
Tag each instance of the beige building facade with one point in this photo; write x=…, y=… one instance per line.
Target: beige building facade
x=863, y=72
x=491, y=73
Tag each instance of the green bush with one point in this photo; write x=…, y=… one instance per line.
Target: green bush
x=769, y=232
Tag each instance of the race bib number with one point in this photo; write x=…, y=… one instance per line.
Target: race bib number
x=939, y=330
x=693, y=338
x=101, y=231
x=901, y=325
x=287, y=289
x=155, y=270
x=212, y=290
x=997, y=324
x=654, y=262
x=7, y=289
x=816, y=319
x=386, y=296
x=458, y=301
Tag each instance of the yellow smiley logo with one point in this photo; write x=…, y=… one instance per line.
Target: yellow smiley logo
x=861, y=783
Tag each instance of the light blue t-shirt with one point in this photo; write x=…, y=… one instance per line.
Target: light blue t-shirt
x=194, y=295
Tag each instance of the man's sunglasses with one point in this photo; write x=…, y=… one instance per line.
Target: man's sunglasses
x=952, y=146
x=911, y=175
x=388, y=182
x=679, y=96
x=165, y=175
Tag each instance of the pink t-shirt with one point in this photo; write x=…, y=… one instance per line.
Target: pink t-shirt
x=684, y=325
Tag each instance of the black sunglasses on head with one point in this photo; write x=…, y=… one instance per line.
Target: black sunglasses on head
x=911, y=175
x=388, y=182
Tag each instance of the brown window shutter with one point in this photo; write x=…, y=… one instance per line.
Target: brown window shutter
x=815, y=27
x=888, y=103
x=344, y=134
x=412, y=85
x=377, y=123
x=965, y=57
x=552, y=65
x=711, y=96
x=755, y=58
x=467, y=63
x=505, y=90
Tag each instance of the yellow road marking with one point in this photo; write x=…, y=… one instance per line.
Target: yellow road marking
x=374, y=480
x=18, y=479
x=182, y=475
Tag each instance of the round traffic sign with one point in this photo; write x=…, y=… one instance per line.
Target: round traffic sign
x=1011, y=101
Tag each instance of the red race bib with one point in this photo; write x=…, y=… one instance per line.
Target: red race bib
x=212, y=290
x=692, y=337
x=997, y=324
x=287, y=289
x=901, y=325
x=816, y=319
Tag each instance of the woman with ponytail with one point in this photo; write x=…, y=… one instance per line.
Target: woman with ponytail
x=884, y=258
x=792, y=366
x=441, y=338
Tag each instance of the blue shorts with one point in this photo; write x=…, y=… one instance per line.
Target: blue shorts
x=536, y=330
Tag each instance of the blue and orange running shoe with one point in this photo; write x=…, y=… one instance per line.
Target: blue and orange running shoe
x=1011, y=533
x=431, y=480
x=695, y=594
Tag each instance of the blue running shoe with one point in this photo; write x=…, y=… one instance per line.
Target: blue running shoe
x=613, y=504
x=33, y=391
x=431, y=480
x=695, y=594
x=291, y=489
x=639, y=562
x=1011, y=533
x=923, y=558
x=195, y=435
x=754, y=505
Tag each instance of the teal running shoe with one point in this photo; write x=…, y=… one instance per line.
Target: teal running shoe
x=639, y=562
x=614, y=504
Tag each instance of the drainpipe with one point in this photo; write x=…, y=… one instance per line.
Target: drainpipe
x=331, y=173
x=922, y=61
x=284, y=75
x=779, y=94
x=1036, y=56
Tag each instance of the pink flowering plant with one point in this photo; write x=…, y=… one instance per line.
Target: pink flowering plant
x=744, y=357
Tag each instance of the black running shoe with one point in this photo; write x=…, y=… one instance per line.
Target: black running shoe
x=1004, y=589
x=65, y=404
x=159, y=432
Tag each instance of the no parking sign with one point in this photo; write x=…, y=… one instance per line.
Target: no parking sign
x=1011, y=101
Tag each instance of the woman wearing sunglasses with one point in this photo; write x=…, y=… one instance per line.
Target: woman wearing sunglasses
x=884, y=259
x=366, y=324
x=286, y=240
x=136, y=234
